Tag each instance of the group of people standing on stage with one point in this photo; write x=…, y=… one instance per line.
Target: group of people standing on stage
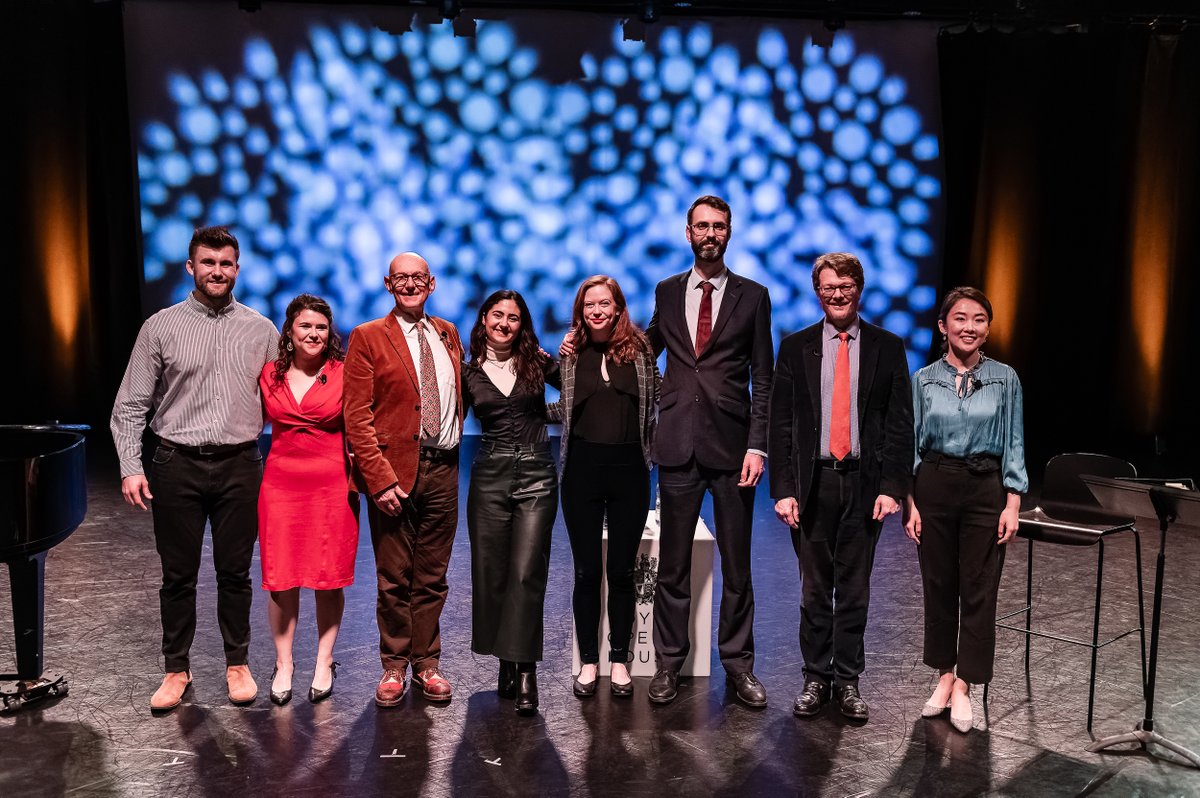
x=834, y=413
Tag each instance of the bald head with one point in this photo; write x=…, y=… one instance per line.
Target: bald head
x=410, y=284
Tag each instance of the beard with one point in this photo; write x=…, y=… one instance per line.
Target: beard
x=215, y=290
x=709, y=250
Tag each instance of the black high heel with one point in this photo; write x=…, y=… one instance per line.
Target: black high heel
x=527, y=693
x=317, y=696
x=282, y=696
x=506, y=686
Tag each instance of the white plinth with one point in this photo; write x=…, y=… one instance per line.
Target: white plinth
x=645, y=578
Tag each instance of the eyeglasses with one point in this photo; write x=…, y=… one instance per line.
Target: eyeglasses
x=845, y=289
x=718, y=228
x=398, y=281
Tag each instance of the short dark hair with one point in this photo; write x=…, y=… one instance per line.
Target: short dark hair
x=214, y=237
x=712, y=202
x=843, y=264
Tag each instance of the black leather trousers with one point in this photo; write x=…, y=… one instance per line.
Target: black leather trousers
x=511, y=508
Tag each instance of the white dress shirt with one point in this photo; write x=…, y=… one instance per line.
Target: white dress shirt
x=443, y=366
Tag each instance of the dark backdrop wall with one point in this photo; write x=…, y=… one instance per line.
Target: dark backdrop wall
x=1070, y=185
x=1072, y=174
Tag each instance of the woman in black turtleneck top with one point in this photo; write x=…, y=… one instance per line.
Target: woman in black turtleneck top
x=609, y=391
x=514, y=494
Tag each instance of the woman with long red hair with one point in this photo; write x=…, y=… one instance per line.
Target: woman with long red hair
x=609, y=390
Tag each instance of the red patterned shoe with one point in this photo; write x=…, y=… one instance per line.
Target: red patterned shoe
x=391, y=688
x=434, y=685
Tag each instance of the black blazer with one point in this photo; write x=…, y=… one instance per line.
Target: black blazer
x=885, y=415
x=707, y=410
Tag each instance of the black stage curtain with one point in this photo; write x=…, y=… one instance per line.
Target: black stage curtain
x=1072, y=201
x=74, y=271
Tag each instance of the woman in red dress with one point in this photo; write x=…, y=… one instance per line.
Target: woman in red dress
x=307, y=518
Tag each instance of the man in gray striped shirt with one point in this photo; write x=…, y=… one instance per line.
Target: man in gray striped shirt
x=194, y=373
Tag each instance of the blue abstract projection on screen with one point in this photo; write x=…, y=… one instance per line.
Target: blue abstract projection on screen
x=330, y=155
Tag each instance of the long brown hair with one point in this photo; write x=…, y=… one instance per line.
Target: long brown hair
x=333, y=344
x=627, y=341
x=527, y=360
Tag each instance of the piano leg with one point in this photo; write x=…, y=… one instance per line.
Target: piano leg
x=27, y=575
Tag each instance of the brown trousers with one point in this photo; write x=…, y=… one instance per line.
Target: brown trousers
x=412, y=554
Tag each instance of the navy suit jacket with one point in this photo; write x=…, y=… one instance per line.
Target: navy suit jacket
x=885, y=416
x=707, y=410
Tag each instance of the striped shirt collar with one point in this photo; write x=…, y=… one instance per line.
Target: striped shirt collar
x=200, y=307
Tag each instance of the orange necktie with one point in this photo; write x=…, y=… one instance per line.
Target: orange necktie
x=839, y=425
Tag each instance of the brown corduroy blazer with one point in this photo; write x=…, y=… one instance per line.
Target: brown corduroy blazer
x=382, y=403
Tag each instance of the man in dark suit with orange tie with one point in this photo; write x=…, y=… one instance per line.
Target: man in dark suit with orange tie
x=712, y=437
x=841, y=446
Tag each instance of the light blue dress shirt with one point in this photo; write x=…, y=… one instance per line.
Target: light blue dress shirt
x=987, y=419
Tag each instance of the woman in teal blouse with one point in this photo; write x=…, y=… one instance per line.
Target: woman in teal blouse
x=970, y=474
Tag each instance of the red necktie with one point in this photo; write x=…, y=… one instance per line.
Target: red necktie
x=839, y=425
x=431, y=401
x=704, y=320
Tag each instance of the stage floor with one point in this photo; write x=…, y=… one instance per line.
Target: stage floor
x=103, y=631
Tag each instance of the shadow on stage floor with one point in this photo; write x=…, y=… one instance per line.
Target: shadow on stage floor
x=103, y=631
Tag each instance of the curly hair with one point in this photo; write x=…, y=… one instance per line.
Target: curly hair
x=528, y=362
x=627, y=341
x=333, y=344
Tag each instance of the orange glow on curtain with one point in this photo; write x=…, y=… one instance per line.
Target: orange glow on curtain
x=1154, y=219
x=1008, y=203
x=1003, y=267
x=61, y=218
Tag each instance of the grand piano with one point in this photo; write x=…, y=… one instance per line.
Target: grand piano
x=43, y=498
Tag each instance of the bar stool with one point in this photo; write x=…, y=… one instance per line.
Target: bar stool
x=1068, y=515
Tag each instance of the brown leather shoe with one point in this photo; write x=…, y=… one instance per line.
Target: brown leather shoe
x=242, y=688
x=170, y=692
x=391, y=688
x=434, y=685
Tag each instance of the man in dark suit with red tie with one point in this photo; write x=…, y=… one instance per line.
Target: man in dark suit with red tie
x=712, y=437
x=841, y=447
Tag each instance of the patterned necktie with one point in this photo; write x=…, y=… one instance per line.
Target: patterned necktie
x=431, y=400
x=704, y=320
x=839, y=426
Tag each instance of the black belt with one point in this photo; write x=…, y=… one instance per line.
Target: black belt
x=840, y=466
x=433, y=455
x=208, y=449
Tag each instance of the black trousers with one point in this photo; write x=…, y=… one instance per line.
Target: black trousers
x=511, y=507
x=604, y=479
x=836, y=547
x=189, y=491
x=412, y=555
x=681, y=491
x=961, y=563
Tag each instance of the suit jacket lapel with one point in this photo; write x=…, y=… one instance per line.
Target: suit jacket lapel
x=395, y=335
x=812, y=354
x=677, y=319
x=868, y=361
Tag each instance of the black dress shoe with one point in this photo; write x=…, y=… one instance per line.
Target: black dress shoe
x=317, y=696
x=664, y=686
x=527, y=695
x=279, y=697
x=582, y=690
x=851, y=703
x=750, y=690
x=506, y=687
x=814, y=696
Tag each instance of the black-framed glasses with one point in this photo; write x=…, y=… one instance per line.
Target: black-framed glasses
x=845, y=289
x=398, y=281
x=703, y=228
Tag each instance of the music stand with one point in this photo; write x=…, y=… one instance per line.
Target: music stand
x=1171, y=506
